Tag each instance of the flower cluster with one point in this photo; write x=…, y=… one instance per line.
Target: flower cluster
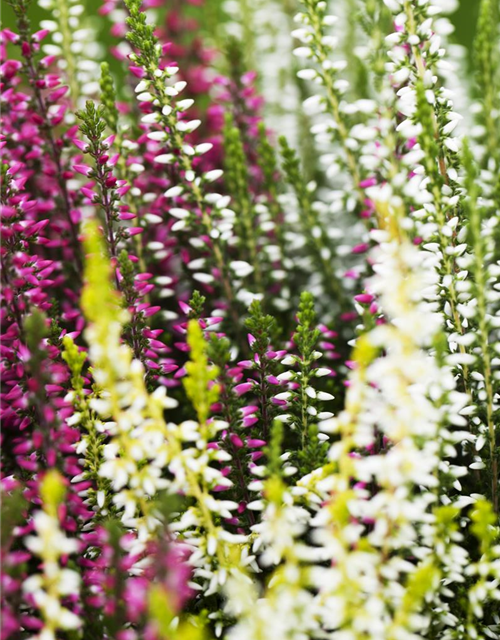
x=250, y=341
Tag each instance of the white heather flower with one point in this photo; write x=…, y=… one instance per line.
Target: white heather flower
x=54, y=583
x=399, y=390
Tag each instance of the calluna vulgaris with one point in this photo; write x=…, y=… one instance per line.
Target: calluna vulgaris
x=250, y=349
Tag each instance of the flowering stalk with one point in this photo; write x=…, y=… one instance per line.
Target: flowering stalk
x=479, y=267
x=56, y=582
x=154, y=90
x=372, y=392
x=237, y=418
x=301, y=412
x=91, y=444
x=237, y=183
x=34, y=70
x=93, y=127
x=312, y=227
x=263, y=363
x=429, y=117
x=318, y=47
x=138, y=427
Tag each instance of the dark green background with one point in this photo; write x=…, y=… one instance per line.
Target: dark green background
x=465, y=21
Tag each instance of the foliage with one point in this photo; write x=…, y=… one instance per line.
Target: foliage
x=250, y=340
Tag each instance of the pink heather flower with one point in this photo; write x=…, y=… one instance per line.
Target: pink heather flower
x=38, y=36
x=9, y=35
x=83, y=146
x=360, y=248
x=369, y=182
x=83, y=169
x=255, y=443
x=236, y=440
x=133, y=231
x=248, y=421
x=250, y=409
x=243, y=388
x=364, y=298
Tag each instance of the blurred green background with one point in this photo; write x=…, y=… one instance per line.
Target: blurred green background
x=464, y=19
x=465, y=22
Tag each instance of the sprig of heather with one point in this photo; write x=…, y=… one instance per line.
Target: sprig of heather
x=460, y=241
x=281, y=608
x=56, y=581
x=132, y=416
x=399, y=425
x=422, y=143
x=314, y=23
x=93, y=438
x=482, y=326
x=125, y=168
x=139, y=432
x=318, y=242
x=92, y=126
x=108, y=98
x=216, y=551
x=135, y=287
x=236, y=180
x=301, y=409
x=210, y=209
x=160, y=245
x=235, y=438
x=264, y=365
x=424, y=102
x=49, y=112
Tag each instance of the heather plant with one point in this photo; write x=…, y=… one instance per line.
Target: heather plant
x=250, y=336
